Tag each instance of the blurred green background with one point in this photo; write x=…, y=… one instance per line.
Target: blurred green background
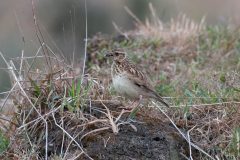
x=63, y=22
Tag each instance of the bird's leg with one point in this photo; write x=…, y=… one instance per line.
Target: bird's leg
x=135, y=108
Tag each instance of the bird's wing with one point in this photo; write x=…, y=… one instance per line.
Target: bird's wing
x=147, y=88
x=135, y=75
x=139, y=79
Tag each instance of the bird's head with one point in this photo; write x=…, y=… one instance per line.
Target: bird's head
x=118, y=55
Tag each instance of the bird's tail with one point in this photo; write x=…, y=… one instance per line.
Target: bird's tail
x=160, y=99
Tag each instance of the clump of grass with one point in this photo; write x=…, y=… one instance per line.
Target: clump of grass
x=234, y=146
x=4, y=143
x=178, y=31
x=54, y=99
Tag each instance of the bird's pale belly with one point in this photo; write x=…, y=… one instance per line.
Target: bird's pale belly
x=125, y=87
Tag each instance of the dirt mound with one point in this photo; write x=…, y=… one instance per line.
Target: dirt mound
x=147, y=138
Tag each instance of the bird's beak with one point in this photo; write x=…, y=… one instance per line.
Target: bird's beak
x=109, y=54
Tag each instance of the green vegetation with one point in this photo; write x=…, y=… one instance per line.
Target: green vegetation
x=4, y=142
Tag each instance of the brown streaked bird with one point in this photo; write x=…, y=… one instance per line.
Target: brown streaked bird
x=128, y=80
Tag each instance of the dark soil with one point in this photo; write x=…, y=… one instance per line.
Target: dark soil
x=154, y=139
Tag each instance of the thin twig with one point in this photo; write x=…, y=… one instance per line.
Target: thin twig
x=73, y=34
x=63, y=137
x=92, y=122
x=93, y=131
x=56, y=57
x=76, y=157
x=34, y=58
x=189, y=142
x=45, y=115
x=86, y=39
x=209, y=104
x=21, y=63
x=190, y=97
x=55, y=121
x=40, y=38
x=9, y=93
x=133, y=15
x=119, y=30
x=112, y=122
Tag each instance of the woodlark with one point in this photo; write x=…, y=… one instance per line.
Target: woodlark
x=128, y=80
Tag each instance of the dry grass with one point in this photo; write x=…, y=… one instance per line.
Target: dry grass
x=178, y=31
x=51, y=97
x=195, y=66
x=50, y=102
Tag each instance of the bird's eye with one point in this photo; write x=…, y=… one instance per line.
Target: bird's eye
x=116, y=53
